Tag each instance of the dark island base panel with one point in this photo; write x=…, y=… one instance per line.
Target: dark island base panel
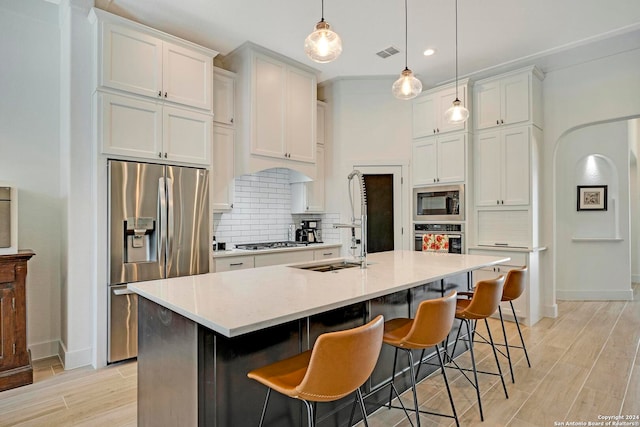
x=187, y=372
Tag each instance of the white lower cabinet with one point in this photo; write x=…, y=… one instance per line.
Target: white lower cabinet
x=283, y=258
x=528, y=305
x=233, y=263
x=134, y=127
x=326, y=253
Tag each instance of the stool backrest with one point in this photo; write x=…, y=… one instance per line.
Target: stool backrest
x=341, y=362
x=486, y=297
x=433, y=322
x=514, y=284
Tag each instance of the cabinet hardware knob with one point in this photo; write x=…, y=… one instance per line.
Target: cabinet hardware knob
x=501, y=121
x=497, y=202
x=434, y=131
x=434, y=180
x=438, y=179
x=165, y=94
x=438, y=129
x=502, y=202
x=497, y=122
x=165, y=155
x=159, y=93
x=160, y=155
x=231, y=121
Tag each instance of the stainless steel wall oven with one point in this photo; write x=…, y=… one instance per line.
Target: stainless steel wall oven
x=454, y=232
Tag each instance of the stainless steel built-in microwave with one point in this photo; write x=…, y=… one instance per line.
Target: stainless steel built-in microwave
x=438, y=203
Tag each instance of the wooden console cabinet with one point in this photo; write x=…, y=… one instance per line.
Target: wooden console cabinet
x=15, y=359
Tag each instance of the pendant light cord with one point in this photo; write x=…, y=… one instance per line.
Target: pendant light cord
x=322, y=11
x=456, y=49
x=406, y=34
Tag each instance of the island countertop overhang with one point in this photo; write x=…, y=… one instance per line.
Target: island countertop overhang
x=234, y=303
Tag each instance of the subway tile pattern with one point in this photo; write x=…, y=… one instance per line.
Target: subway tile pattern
x=262, y=211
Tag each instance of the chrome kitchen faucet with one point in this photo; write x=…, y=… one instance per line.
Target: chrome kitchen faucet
x=363, y=219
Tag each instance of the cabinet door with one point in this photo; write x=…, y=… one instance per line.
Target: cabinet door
x=222, y=174
x=223, y=98
x=8, y=324
x=486, y=98
x=301, y=116
x=320, y=123
x=315, y=188
x=233, y=263
x=515, y=99
x=515, y=166
x=445, y=101
x=268, y=107
x=129, y=126
x=424, y=116
x=451, y=158
x=425, y=164
x=130, y=61
x=488, y=168
x=187, y=136
x=187, y=77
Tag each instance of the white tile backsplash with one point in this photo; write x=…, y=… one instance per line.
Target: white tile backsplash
x=262, y=211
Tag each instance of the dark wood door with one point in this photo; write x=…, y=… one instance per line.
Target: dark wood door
x=380, y=213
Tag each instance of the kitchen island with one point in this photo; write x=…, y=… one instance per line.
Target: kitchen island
x=200, y=335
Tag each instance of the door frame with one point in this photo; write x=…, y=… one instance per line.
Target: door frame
x=402, y=235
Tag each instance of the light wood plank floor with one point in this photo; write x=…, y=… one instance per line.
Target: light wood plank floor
x=585, y=364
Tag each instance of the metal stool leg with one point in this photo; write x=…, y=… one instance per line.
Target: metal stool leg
x=506, y=344
x=413, y=387
x=393, y=376
x=264, y=408
x=362, y=407
x=524, y=347
x=473, y=363
x=446, y=383
x=495, y=354
x=310, y=414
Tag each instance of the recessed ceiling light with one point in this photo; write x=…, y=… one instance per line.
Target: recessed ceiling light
x=430, y=51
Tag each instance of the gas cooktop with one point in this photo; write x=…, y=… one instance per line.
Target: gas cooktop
x=270, y=245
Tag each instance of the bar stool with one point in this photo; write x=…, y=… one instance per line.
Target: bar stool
x=514, y=286
x=483, y=303
x=431, y=325
x=339, y=363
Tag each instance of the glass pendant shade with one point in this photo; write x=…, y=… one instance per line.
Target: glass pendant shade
x=457, y=113
x=323, y=45
x=407, y=86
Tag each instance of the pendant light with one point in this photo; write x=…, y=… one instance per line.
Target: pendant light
x=407, y=86
x=323, y=44
x=457, y=113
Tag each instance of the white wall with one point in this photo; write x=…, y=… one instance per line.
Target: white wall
x=368, y=126
x=29, y=152
x=597, y=91
x=593, y=247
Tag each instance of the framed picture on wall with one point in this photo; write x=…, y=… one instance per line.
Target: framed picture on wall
x=592, y=197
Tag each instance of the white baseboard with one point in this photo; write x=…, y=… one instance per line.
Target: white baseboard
x=602, y=295
x=550, y=311
x=75, y=359
x=44, y=349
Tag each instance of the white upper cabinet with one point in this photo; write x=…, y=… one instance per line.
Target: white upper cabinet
x=429, y=109
x=222, y=175
x=513, y=98
x=503, y=167
x=224, y=89
x=146, y=129
x=277, y=111
x=308, y=197
x=139, y=60
x=439, y=159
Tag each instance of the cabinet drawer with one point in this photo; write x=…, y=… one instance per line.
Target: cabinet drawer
x=233, y=263
x=326, y=253
x=7, y=274
x=289, y=257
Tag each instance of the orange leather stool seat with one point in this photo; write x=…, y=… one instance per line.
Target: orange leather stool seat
x=431, y=325
x=339, y=363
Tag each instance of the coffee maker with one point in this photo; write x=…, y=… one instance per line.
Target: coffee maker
x=309, y=231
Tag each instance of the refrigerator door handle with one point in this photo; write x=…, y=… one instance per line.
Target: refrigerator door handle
x=170, y=223
x=162, y=209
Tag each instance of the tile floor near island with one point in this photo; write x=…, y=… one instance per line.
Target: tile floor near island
x=585, y=365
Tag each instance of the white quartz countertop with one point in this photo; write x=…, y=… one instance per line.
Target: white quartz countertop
x=244, y=252
x=233, y=303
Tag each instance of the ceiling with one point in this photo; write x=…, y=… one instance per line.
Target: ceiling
x=493, y=34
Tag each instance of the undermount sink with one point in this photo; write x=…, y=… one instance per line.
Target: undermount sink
x=328, y=266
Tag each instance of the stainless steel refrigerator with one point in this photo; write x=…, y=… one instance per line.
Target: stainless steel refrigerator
x=158, y=228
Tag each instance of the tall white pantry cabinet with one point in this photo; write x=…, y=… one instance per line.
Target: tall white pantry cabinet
x=507, y=139
x=153, y=94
